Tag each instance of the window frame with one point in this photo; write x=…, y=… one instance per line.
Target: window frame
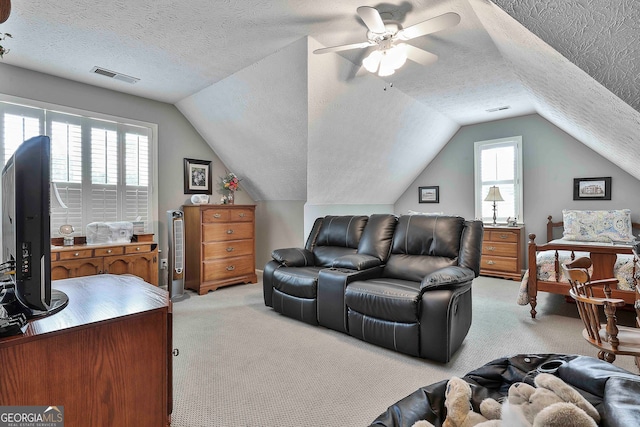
x=119, y=122
x=479, y=146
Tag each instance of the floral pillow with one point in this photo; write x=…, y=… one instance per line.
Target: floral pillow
x=598, y=226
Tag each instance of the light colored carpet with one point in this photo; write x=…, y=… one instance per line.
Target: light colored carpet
x=243, y=364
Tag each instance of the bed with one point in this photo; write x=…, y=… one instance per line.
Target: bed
x=613, y=259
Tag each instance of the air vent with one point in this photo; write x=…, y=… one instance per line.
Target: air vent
x=114, y=75
x=493, y=110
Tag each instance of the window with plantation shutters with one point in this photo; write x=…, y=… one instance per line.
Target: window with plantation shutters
x=101, y=169
x=498, y=163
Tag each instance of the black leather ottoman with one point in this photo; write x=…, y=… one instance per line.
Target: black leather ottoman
x=612, y=390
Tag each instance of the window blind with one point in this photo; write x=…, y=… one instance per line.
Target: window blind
x=102, y=169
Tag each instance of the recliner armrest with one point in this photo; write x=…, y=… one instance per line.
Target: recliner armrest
x=356, y=262
x=447, y=277
x=293, y=257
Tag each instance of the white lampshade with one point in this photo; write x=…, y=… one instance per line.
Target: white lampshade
x=371, y=62
x=385, y=62
x=494, y=195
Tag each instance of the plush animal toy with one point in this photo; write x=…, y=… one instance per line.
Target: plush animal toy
x=552, y=403
x=459, y=410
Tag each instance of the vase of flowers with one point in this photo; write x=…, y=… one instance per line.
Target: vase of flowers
x=230, y=184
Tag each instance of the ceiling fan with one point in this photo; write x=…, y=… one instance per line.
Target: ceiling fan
x=389, y=37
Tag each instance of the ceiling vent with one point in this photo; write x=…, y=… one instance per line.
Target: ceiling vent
x=493, y=110
x=114, y=75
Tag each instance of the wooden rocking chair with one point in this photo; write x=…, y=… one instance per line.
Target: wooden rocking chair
x=610, y=339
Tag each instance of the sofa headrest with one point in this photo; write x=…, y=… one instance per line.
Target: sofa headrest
x=428, y=235
x=343, y=231
x=378, y=235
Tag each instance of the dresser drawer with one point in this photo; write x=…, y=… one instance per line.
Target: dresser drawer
x=86, y=253
x=241, y=215
x=136, y=249
x=215, y=215
x=499, y=249
x=502, y=236
x=228, y=267
x=117, y=250
x=231, y=248
x=509, y=265
x=228, y=231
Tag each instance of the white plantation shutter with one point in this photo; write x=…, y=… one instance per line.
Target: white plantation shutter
x=102, y=168
x=19, y=125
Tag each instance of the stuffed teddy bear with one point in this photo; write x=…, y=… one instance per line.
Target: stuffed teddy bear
x=552, y=403
x=458, y=403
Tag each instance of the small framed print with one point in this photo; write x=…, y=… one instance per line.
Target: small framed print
x=429, y=194
x=592, y=188
x=197, y=176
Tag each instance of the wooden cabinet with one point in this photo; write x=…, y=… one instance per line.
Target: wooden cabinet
x=140, y=259
x=106, y=357
x=502, y=252
x=219, y=246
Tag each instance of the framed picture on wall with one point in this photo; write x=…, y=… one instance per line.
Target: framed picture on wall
x=592, y=188
x=429, y=194
x=197, y=176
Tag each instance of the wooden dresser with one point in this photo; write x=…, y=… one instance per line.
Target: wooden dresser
x=503, y=252
x=137, y=258
x=219, y=246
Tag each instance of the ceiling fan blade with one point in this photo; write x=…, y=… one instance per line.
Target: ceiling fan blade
x=5, y=10
x=420, y=56
x=372, y=19
x=429, y=26
x=343, y=47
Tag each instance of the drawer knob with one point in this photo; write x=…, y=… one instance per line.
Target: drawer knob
x=229, y=231
x=490, y=262
x=504, y=236
x=109, y=251
x=216, y=215
x=241, y=214
x=491, y=248
x=76, y=254
x=230, y=249
x=231, y=268
x=138, y=248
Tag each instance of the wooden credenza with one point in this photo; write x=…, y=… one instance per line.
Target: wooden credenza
x=219, y=246
x=502, y=252
x=105, y=358
x=137, y=258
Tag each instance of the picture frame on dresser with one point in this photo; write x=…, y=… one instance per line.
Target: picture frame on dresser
x=197, y=176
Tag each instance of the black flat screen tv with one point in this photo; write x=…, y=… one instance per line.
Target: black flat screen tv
x=26, y=232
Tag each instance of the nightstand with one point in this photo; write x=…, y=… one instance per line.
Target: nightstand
x=502, y=252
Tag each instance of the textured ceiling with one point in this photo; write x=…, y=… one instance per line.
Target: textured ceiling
x=574, y=62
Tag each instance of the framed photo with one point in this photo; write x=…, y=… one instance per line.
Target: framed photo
x=197, y=176
x=429, y=194
x=592, y=188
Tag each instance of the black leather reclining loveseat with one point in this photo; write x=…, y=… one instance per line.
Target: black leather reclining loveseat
x=403, y=283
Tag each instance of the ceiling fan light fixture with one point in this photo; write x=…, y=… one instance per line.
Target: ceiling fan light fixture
x=386, y=61
x=372, y=62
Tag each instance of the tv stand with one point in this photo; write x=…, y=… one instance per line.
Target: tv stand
x=106, y=358
x=11, y=305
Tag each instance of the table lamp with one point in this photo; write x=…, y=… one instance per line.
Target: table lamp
x=494, y=196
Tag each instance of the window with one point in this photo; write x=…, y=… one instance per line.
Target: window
x=498, y=163
x=101, y=167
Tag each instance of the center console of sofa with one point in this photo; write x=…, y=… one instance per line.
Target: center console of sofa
x=403, y=283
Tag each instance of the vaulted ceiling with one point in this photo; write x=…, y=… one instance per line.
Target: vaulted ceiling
x=298, y=126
